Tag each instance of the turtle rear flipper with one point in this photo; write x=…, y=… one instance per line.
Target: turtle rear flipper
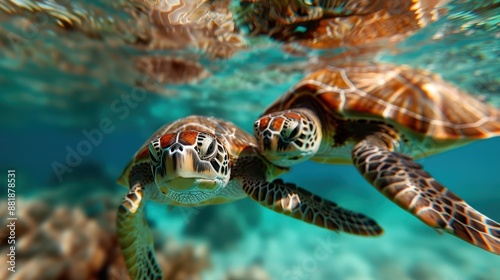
x=135, y=238
x=288, y=199
x=404, y=181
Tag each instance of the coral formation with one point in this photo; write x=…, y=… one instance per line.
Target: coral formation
x=61, y=242
x=69, y=233
x=183, y=262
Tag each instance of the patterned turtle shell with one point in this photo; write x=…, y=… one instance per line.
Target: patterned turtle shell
x=330, y=24
x=380, y=118
x=236, y=140
x=414, y=101
x=201, y=160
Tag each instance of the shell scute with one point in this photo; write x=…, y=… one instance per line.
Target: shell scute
x=166, y=140
x=277, y=124
x=331, y=24
x=188, y=137
x=410, y=99
x=142, y=154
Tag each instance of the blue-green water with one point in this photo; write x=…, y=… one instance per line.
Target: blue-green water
x=58, y=85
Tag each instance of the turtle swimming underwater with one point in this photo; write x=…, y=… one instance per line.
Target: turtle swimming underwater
x=379, y=118
x=346, y=23
x=204, y=160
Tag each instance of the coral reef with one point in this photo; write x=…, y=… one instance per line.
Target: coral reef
x=60, y=242
x=69, y=232
x=183, y=262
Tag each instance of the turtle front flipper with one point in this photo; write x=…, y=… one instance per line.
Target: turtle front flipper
x=404, y=181
x=135, y=237
x=288, y=199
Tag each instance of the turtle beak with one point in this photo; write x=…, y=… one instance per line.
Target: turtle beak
x=184, y=170
x=265, y=142
x=173, y=164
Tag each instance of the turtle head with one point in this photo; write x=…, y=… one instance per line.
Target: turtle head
x=288, y=137
x=189, y=167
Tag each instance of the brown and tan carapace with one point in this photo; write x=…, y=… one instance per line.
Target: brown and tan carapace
x=204, y=160
x=345, y=23
x=380, y=117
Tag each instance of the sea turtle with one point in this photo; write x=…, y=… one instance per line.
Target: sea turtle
x=201, y=160
x=380, y=117
x=346, y=23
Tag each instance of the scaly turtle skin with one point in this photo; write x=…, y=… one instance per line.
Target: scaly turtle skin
x=379, y=117
x=203, y=160
x=333, y=23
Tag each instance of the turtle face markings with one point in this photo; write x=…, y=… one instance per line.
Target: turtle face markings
x=287, y=138
x=380, y=117
x=190, y=160
x=189, y=166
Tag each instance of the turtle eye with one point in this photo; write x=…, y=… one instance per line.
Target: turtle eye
x=208, y=148
x=290, y=130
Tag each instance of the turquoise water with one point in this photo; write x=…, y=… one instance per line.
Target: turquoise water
x=58, y=85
